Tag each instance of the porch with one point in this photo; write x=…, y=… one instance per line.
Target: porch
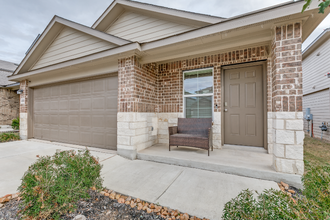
x=246, y=161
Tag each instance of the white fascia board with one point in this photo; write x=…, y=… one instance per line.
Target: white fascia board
x=89, y=58
x=104, y=14
x=325, y=35
x=232, y=23
x=172, y=12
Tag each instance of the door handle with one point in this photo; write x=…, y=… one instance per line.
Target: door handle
x=226, y=110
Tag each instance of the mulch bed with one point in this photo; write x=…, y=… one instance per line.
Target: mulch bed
x=100, y=206
x=97, y=207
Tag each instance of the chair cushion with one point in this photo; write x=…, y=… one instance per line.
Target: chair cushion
x=180, y=135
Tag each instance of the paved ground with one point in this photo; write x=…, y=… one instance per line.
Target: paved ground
x=6, y=128
x=197, y=192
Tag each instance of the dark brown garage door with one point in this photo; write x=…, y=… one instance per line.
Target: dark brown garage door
x=83, y=113
x=244, y=106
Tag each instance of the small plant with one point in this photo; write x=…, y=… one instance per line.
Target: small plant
x=15, y=123
x=52, y=185
x=5, y=137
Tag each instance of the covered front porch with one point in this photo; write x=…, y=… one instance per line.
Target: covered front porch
x=254, y=162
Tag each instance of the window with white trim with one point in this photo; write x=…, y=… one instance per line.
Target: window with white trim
x=198, y=93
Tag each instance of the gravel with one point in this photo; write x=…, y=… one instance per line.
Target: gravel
x=97, y=207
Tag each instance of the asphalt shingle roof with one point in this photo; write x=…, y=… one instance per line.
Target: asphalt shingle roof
x=6, y=69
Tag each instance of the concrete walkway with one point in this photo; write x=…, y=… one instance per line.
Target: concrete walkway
x=197, y=192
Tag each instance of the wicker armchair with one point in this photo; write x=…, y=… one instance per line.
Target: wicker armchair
x=192, y=132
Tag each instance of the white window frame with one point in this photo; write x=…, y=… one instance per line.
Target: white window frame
x=198, y=95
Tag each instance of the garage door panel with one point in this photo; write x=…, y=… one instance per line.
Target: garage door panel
x=75, y=89
x=45, y=119
x=86, y=138
x=74, y=104
x=98, y=121
x=37, y=132
x=82, y=113
x=53, y=119
x=65, y=90
x=98, y=103
x=111, y=140
x=85, y=121
x=53, y=105
x=111, y=102
x=64, y=135
x=98, y=139
x=99, y=86
x=86, y=87
x=45, y=134
x=55, y=91
x=53, y=134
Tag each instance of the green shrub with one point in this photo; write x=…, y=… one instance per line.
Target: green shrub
x=15, y=124
x=314, y=203
x=271, y=204
x=52, y=185
x=5, y=137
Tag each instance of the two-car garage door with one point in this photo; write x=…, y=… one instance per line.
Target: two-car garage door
x=83, y=113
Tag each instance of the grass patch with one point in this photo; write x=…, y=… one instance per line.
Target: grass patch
x=275, y=204
x=52, y=186
x=5, y=137
x=316, y=151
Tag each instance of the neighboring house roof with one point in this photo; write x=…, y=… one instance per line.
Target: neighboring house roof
x=6, y=69
x=251, y=28
x=325, y=35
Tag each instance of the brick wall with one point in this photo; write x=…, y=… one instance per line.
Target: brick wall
x=287, y=123
x=158, y=88
x=170, y=77
x=137, y=85
x=287, y=68
x=24, y=95
x=9, y=106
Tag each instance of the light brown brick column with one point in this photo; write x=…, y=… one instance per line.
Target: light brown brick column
x=137, y=106
x=288, y=135
x=23, y=109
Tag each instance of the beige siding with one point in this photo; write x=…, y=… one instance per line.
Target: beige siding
x=320, y=108
x=71, y=44
x=315, y=68
x=137, y=27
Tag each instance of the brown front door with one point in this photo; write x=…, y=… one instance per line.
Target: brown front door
x=243, y=106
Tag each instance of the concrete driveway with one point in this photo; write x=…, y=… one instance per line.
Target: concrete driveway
x=197, y=192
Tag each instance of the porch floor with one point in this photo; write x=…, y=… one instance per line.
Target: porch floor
x=246, y=161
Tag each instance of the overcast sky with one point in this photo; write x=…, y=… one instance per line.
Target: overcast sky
x=22, y=20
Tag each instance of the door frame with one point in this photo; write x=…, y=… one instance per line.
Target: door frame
x=263, y=64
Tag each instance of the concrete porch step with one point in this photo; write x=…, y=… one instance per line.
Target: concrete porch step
x=251, y=162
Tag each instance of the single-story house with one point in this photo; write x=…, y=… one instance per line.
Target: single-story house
x=316, y=85
x=9, y=100
x=120, y=83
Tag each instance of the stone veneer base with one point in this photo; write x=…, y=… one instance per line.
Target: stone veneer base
x=23, y=126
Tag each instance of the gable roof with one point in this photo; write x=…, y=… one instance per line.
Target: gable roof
x=325, y=35
x=50, y=33
x=118, y=6
x=6, y=69
x=258, y=24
